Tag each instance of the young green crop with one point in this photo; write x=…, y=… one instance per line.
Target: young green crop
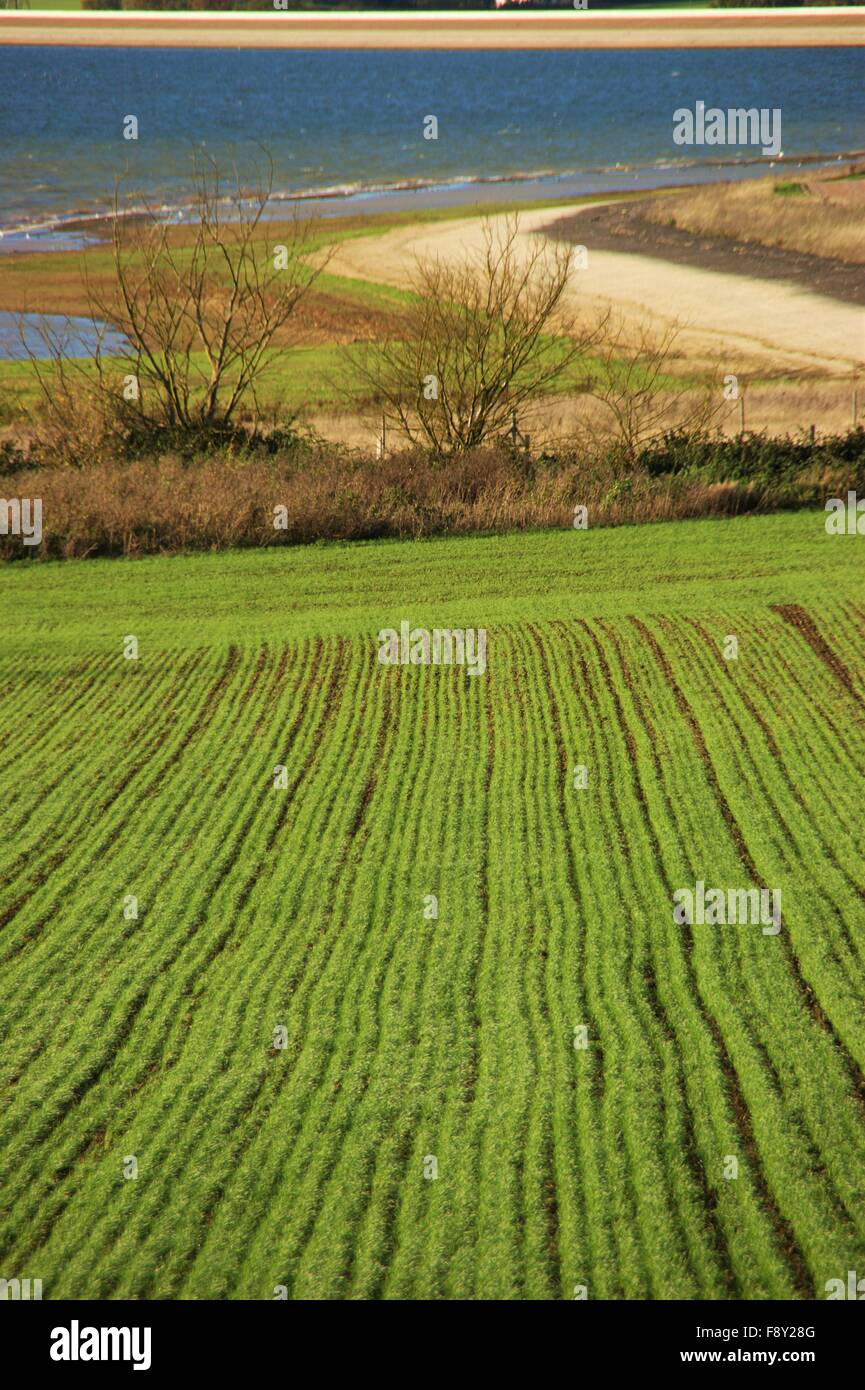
x=301, y=905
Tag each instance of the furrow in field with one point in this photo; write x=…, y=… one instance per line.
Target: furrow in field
x=818, y=1086
x=58, y=812
x=176, y=938
x=154, y=755
x=409, y=1018
x=511, y=1259
x=190, y=945
x=533, y=910
x=229, y=1034
x=780, y=779
x=848, y=632
x=699, y=1002
x=114, y=934
x=687, y=1250
x=397, y=978
x=433, y=1236
x=787, y=840
x=805, y=626
x=72, y=694
x=628, y=1033
x=798, y=748
x=311, y=990
x=320, y=980
x=99, y=876
x=815, y=696
x=652, y=972
x=790, y=1174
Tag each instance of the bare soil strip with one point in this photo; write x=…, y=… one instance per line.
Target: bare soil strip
x=562, y=29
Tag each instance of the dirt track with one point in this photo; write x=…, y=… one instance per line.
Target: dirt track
x=763, y=327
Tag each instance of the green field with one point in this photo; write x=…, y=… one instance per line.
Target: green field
x=410, y=1038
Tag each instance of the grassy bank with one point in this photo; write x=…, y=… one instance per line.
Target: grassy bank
x=820, y=214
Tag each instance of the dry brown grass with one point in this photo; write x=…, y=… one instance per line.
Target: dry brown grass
x=167, y=506
x=826, y=219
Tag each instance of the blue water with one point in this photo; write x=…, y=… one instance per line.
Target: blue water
x=353, y=121
x=23, y=336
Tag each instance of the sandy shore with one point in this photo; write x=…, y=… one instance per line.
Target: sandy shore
x=430, y=29
x=760, y=326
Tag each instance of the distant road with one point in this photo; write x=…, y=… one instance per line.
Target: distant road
x=432, y=29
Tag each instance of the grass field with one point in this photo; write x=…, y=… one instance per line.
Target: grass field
x=409, y=1038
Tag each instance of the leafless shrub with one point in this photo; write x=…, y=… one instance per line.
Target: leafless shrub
x=481, y=341
x=197, y=323
x=633, y=381
x=81, y=416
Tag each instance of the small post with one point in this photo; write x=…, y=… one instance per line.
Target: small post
x=742, y=411
x=813, y=433
x=855, y=406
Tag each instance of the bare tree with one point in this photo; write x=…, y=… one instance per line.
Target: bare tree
x=634, y=381
x=201, y=318
x=480, y=341
x=195, y=317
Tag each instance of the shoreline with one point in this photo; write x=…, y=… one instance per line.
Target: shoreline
x=573, y=29
x=624, y=229
x=77, y=229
